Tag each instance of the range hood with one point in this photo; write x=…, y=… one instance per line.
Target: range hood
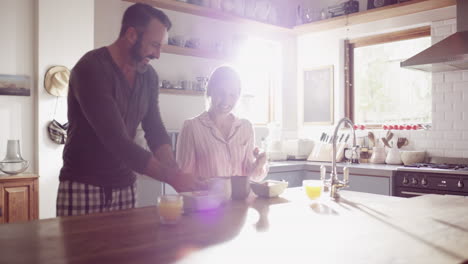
x=450, y=54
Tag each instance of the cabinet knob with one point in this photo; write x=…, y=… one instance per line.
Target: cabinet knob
x=424, y=182
x=405, y=180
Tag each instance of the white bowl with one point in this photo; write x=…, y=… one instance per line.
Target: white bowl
x=201, y=200
x=269, y=188
x=410, y=157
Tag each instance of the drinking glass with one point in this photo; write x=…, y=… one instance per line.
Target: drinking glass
x=313, y=188
x=170, y=208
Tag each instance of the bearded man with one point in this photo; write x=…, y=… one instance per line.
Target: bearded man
x=111, y=91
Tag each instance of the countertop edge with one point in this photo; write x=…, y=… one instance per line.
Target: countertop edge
x=364, y=169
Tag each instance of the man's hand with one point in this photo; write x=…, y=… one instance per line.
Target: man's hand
x=165, y=155
x=183, y=182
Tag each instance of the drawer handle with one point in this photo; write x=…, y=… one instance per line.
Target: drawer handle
x=413, y=193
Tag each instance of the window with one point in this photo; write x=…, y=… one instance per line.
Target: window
x=259, y=64
x=379, y=91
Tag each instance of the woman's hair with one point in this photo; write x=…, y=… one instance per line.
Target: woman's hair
x=221, y=77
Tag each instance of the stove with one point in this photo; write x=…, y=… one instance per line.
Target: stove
x=431, y=178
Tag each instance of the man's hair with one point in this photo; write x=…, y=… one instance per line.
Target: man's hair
x=139, y=15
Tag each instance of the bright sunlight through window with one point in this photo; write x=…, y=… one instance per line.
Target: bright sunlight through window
x=259, y=64
x=386, y=93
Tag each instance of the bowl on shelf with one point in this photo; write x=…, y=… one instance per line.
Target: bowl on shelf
x=412, y=156
x=268, y=188
x=13, y=167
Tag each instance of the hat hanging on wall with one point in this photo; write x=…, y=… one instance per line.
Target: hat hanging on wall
x=56, y=80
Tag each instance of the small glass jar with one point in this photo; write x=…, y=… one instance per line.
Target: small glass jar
x=170, y=208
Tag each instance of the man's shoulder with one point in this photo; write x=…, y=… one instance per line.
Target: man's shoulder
x=92, y=57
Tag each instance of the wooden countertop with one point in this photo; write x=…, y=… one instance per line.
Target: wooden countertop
x=360, y=228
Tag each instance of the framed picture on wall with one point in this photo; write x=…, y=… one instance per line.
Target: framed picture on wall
x=318, y=96
x=14, y=85
x=379, y=3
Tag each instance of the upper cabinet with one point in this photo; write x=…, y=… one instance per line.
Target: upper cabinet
x=390, y=11
x=218, y=14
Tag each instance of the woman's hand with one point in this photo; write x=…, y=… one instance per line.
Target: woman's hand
x=260, y=158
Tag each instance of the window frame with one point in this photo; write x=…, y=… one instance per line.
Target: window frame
x=350, y=45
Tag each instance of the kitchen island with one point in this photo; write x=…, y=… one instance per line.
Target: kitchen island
x=358, y=228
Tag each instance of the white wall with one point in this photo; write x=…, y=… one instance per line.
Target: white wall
x=450, y=110
x=17, y=58
x=65, y=31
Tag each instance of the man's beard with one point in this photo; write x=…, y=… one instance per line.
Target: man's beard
x=135, y=54
x=135, y=50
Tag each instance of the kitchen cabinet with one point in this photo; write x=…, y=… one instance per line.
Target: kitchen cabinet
x=369, y=184
x=386, y=12
x=359, y=182
x=18, y=198
x=294, y=178
x=214, y=14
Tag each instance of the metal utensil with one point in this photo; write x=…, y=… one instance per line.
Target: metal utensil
x=389, y=136
x=371, y=138
x=384, y=140
x=341, y=137
x=401, y=142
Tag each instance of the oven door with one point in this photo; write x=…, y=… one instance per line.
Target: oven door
x=413, y=192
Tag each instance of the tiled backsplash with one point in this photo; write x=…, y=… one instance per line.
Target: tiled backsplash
x=449, y=135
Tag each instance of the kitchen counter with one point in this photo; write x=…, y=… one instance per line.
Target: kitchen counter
x=359, y=228
x=383, y=170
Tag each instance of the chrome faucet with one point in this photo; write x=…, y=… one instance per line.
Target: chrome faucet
x=333, y=183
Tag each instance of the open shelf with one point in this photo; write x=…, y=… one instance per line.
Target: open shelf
x=181, y=92
x=390, y=11
x=211, y=13
x=171, y=49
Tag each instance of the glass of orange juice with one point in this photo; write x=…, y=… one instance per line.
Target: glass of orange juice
x=170, y=208
x=313, y=188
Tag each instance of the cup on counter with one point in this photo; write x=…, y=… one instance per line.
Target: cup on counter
x=221, y=185
x=313, y=188
x=240, y=187
x=170, y=208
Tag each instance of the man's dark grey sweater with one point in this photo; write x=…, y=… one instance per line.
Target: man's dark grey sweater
x=104, y=112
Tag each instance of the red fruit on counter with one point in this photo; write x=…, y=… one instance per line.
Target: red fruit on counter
x=362, y=127
x=415, y=127
x=390, y=127
x=408, y=127
x=355, y=127
x=385, y=127
x=402, y=127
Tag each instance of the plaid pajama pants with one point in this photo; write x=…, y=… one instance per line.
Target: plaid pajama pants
x=76, y=198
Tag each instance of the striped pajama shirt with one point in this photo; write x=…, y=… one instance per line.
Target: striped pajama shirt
x=204, y=152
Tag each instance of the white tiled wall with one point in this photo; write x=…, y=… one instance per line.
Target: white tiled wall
x=449, y=134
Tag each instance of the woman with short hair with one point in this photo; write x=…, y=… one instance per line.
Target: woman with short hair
x=217, y=143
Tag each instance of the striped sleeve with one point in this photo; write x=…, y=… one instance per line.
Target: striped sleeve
x=185, y=154
x=256, y=173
